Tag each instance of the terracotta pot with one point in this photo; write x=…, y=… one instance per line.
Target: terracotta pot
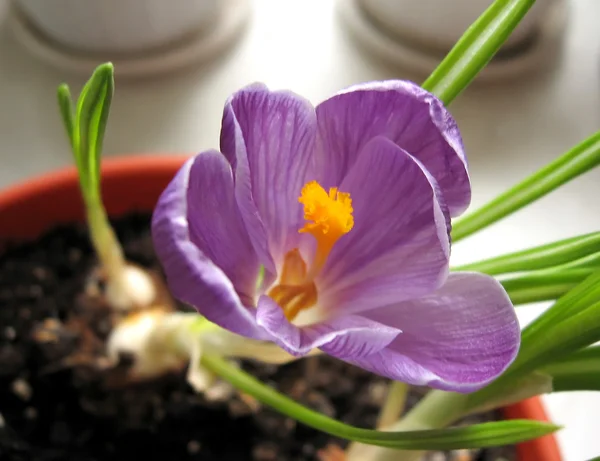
x=134, y=184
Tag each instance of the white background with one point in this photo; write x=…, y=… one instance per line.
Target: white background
x=509, y=130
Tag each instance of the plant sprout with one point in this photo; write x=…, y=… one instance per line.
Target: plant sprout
x=127, y=285
x=254, y=278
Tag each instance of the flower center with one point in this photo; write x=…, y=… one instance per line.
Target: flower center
x=328, y=216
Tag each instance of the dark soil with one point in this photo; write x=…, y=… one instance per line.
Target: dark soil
x=56, y=405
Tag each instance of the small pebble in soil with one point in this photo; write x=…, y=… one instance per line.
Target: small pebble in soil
x=194, y=447
x=30, y=413
x=21, y=389
x=265, y=452
x=437, y=457
x=10, y=333
x=57, y=405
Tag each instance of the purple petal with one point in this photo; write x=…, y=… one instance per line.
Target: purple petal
x=403, y=112
x=459, y=338
x=348, y=337
x=269, y=139
x=201, y=242
x=399, y=246
x=215, y=224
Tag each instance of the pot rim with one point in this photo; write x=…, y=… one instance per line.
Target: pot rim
x=166, y=165
x=119, y=166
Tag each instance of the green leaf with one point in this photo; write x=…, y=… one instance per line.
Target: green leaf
x=476, y=436
x=541, y=257
x=587, y=262
x=520, y=388
x=579, y=371
x=575, y=162
x=93, y=108
x=543, y=285
x=573, y=304
x=476, y=48
x=85, y=127
x=65, y=104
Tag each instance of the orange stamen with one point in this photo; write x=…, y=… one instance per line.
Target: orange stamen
x=329, y=217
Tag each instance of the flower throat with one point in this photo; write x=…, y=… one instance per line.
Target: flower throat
x=328, y=216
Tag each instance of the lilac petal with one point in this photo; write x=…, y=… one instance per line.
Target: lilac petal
x=399, y=247
x=268, y=136
x=215, y=224
x=459, y=338
x=188, y=230
x=403, y=112
x=349, y=337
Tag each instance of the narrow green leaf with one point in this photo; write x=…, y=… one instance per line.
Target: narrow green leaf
x=514, y=391
x=581, y=298
x=568, y=335
x=541, y=257
x=476, y=436
x=66, y=106
x=543, y=285
x=587, y=262
x=575, y=162
x=86, y=126
x=579, y=371
x=476, y=48
x=93, y=108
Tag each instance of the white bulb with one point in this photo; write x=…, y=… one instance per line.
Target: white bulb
x=135, y=289
x=144, y=336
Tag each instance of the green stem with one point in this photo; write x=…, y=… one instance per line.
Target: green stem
x=476, y=48
x=106, y=243
x=394, y=404
x=573, y=163
x=540, y=257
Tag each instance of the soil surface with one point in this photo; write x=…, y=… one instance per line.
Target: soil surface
x=55, y=403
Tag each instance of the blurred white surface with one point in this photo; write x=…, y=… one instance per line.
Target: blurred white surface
x=119, y=25
x=509, y=130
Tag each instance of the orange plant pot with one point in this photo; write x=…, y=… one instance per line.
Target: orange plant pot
x=132, y=184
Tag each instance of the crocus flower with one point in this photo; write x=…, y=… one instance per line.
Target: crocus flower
x=328, y=228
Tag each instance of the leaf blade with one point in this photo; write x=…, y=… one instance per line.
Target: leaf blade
x=540, y=257
x=575, y=162
x=93, y=108
x=476, y=48
x=542, y=285
x=476, y=436
x=579, y=371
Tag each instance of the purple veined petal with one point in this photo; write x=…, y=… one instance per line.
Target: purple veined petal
x=406, y=114
x=347, y=337
x=459, y=338
x=201, y=242
x=215, y=224
x=399, y=247
x=268, y=136
x=234, y=149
